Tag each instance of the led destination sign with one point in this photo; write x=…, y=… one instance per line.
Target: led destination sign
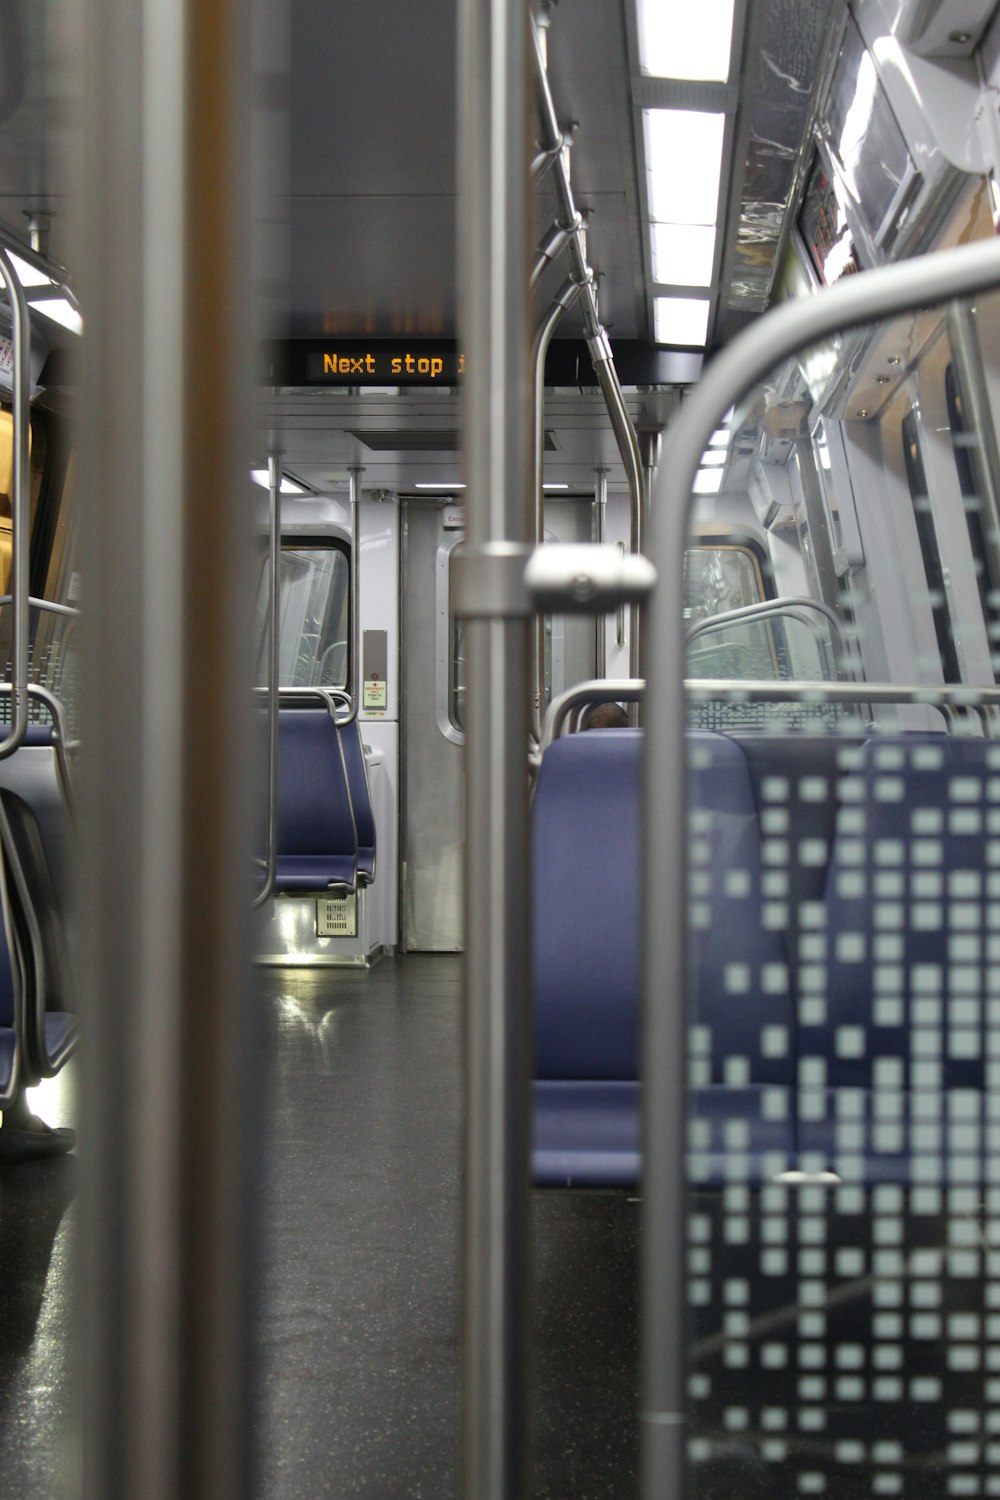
x=440, y=362
x=351, y=363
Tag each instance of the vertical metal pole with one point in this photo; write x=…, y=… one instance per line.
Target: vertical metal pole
x=971, y=379
x=563, y=300
x=355, y=685
x=495, y=249
x=274, y=478
x=171, y=1072
x=600, y=521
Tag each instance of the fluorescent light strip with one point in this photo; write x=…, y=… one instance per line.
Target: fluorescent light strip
x=680, y=40
x=442, y=486
x=683, y=164
x=681, y=320
x=719, y=438
x=59, y=310
x=288, y=486
x=683, y=254
x=708, y=482
x=27, y=274
x=713, y=459
x=555, y=486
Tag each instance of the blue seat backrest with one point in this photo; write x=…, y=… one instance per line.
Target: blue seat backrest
x=741, y=1002
x=912, y=911
x=586, y=884
x=31, y=774
x=314, y=809
x=361, y=800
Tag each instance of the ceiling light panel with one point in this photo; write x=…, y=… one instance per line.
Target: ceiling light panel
x=681, y=320
x=683, y=254
x=683, y=164
x=681, y=40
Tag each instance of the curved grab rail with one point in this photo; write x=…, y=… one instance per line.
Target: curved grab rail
x=950, y=698
x=61, y=741
x=770, y=611
x=598, y=690
x=872, y=296
x=354, y=655
x=598, y=343
x=21, y=328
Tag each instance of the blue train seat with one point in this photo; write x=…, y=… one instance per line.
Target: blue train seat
x=585, y=832
x=844, y=932
x=37, y=1024
x=587, y=884
x=900, y=1030
x=317, y=845
x=37, y=942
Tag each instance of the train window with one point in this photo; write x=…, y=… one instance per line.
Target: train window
x=934, y=573
x=456, y=675
x=314, y=593
x=963, y=442
x=720, y=578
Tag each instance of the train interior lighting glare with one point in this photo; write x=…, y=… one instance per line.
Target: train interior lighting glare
x=27, y=274
x=288, y=486
x=555, y=486
x=683, y=164
x=681, y=320
x=708, y=482
x=58, y=310
x=438, y=485
x=719, y=438
x=714, y=458
x=678, y=40
x=683, y=254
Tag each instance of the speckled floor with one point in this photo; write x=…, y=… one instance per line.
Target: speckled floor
x=360, y=1327
x=37, y=1344
x=866, y=1363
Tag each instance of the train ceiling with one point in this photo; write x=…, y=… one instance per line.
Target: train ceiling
x=368, y=195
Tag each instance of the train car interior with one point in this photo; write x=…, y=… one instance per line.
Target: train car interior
x=499, y=814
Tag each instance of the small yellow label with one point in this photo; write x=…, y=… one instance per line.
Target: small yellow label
x=375, y=693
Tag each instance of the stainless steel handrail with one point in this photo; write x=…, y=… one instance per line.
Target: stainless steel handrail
x=760, y=349
x=274, y=477
x=354, y=682
x=20, y=507
x=598, y=343
x=600, y=524
x=951, y=697
x=563, y=300
x=795, y=608
x=494, y=257
x=61, y=740
x=979, y=422
x=49, y=605
x=599, y=690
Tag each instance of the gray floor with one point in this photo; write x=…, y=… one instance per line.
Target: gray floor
x=844, y=1393
x=359, y=1303
x=360, y=1326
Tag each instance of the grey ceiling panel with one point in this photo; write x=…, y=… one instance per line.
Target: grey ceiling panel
x=375, y=265
x=373, y=102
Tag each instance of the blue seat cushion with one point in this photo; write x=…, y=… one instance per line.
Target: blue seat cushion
x=8, y=1047
x=585, y=1134
x=313, y=872
x=585, y=841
